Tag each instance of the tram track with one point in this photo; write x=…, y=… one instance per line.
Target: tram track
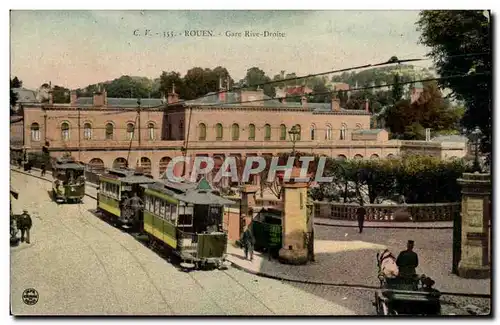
x=342, y=285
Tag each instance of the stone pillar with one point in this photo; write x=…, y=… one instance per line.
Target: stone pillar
x=476, y=215
x=248, y=192
x=295, y=221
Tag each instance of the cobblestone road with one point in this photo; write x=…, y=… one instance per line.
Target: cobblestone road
x=81, y=265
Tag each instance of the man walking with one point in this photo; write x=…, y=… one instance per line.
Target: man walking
x=24, y=224
x=361, y=213
x=43, y=169
x=248, y=242
x=407, y=260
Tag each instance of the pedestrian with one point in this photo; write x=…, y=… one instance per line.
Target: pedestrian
x=24, y=224
x=136, y=205
x=361, y=213
x=20, y=162
x=43, y=169
x=407, y=260
x=248, y=242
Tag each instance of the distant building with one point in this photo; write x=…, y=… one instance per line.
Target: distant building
x=24, y=96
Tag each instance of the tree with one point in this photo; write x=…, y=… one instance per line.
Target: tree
x=255, y=77
x=453, y=36
x=408, y=120
x=168, y=79
x=60, y=95
x=397, y=89
x=16, y=83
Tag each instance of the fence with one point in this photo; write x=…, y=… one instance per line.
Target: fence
x=389, y=213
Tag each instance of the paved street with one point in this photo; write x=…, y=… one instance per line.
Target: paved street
x=80, y=265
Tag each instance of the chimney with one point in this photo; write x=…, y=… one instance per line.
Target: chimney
x=303, y=100
x=335, y=104
x=98, y=99
x=367, y=105
x=51, y=95
x=173, y=97
x=73, y=98
x=222, y=94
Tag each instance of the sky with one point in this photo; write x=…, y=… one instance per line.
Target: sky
x=77, y=48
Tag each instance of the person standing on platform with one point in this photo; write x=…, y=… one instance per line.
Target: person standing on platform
x=361, y=213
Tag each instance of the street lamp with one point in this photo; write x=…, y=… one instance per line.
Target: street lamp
x=475, y=137
x=294, y=136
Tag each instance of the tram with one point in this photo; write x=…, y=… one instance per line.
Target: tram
x=68, y=184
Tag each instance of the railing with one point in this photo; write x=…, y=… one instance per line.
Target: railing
x=389, y=213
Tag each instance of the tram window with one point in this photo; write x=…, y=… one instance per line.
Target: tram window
x=157, y=206
x=168, y=212
x=162, y=209
x=185, y=220
x=147, y=203
x=173, y=215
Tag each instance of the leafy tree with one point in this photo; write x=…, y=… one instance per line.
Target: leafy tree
x=61, y=95
x=397, y=89
x=255, y=77
x=452, y=36
x=167, y=79
x=16, y=83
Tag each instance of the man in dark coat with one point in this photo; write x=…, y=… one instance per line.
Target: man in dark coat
x=136, y=205
x=24, y=224
x=407, y=261
x=361, y=213
x=248, y=242
x=43, y=169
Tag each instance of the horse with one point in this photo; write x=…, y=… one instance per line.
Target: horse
x=387, y=264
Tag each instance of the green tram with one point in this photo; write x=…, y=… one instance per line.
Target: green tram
x=68, y=183
x=187, y=219
x=116, y=187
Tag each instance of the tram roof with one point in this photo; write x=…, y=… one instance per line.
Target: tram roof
x=69, y=165
x=128, y=176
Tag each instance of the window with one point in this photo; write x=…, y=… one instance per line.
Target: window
x=282, y=132
x=343, y=130
x=173, y=215
x=65, y=131
x=218, y=131
x=267, y=132
x=157, y=206
x=162, y=209
x=147, y=203
x=130, y=131
x=358, y=126
x=35, y=132
x=251, y=132
x=181, y=129
x=109, y=131
x=87, y=131
x=300, y=132
x=168, y=212
x=203, y=132
x=312, y=132
x=151, y=131
x=328, y=133
x=185, y=218
x=235, y=130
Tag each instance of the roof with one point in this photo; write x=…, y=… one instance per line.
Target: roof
x=367, y=131
x=129, y=176
x=450, y=138
x=233, y=99
x=25, y=95
x=203, y=197
x=122, y=102
x=68, y=163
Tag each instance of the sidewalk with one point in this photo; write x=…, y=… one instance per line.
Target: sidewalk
x=348, y=265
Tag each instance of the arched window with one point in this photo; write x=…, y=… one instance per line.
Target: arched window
x=130, y=131
x=299, y=135
x=151, y=131
x=202, y=129
x=343, y=131
x=267, y=132
x=219, y=132
x=358, y=126
x=282, y=132
x=35, y=132
x=313, y=131
x=109, y=131
x=328, y=133
x=358, y=156
x=341, y=157
x=120, y=162
x=251, y=132
x=87, y=131
x=163, y=166
x=235, y=131
x=65, y=131
x=374, y=156
x=96, y=164
x=146, y=165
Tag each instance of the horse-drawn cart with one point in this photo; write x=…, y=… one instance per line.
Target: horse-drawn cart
x=404, y=295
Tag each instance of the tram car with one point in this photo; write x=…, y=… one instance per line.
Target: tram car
x=187, y=219
x=68, y=183
x=116, y=189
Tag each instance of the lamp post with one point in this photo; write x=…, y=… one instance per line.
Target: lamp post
x=475, y=137
x=294, y=136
